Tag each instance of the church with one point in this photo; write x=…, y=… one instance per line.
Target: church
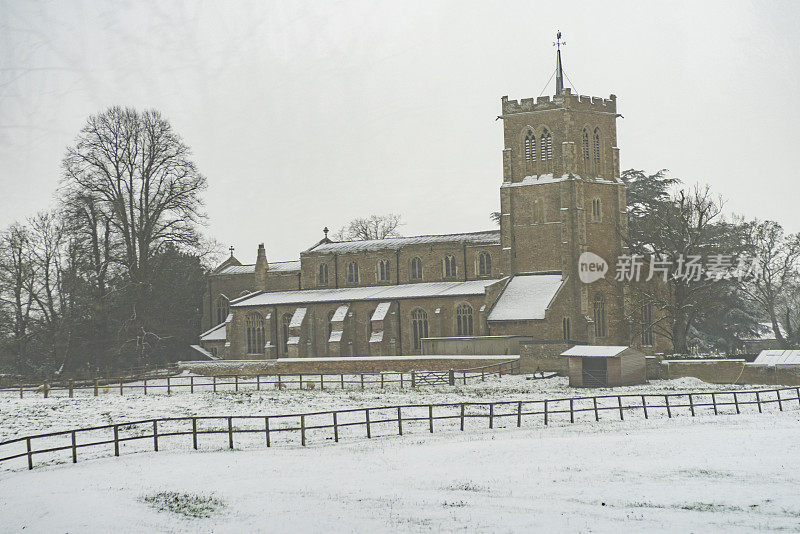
x=479, y=292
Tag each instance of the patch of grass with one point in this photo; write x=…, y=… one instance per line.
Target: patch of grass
x=189, y=505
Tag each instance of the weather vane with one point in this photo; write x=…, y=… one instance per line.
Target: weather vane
x=559, y=42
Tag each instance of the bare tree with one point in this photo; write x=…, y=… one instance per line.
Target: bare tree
x=18, y=288
x=372, y=227
x=140, y=179
x=778, y=256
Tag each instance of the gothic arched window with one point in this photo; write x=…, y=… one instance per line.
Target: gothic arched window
x=600, y=315
x=585, y=144
x=546, y=145
x=416, y=268
x=285, y=321
x=597, y=210
x=529, y=146
x=596, y=146
x=464, y=320
x=254, y=324
x=383, y=271
x=222, y=309
x=449, y=266
x=323, y=274
x=565, y=333
x=419, y=327
x=352, y=273
x=484, y=264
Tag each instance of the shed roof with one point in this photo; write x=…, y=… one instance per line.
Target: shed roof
x=393, y=243
x=778, y=357
x=596, y=351
x=526, y=297
x=349, y=294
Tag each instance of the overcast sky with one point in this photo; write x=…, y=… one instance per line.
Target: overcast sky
x=306, y=114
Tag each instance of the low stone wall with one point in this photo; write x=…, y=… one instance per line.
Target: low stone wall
x=366, y=364
x=730, y=371
x=443, y=346
x=544, y=357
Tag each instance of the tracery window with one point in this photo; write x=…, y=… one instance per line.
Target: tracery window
x=416, y=268
x=529, y=146
x=449, y=266
x=546, y=145
x=254, y=326
x=222, y=309
x=323, y=274
x=383, y=271
x=352, y=273
x=484, y=264
x=464, y=320
x=419, y=327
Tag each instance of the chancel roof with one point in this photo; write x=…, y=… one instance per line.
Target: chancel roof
x=488, y=237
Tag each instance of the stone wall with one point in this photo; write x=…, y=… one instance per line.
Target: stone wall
x=341, y=365
x=732, y=372
x=544, y=357
x=474, y=345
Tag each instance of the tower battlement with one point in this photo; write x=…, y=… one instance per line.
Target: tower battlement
x=564, y=100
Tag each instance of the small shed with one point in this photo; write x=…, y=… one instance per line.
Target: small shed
x=594, y=366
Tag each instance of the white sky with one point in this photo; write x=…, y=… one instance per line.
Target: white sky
x=306, y=114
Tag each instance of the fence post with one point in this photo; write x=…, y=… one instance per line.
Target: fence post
x=21, y=390
x=366, y=419
x=736, y=401
x=230, y=432
x=399, y=421
x=381, y=380
x=462, y=416
x=666, y=403
x=780, y=402
x=169, y=389
x=758, y=401
x=519, y=414
x=691, y=403
x=797, y=390
x=491, y=415
x=258, y=382
x=266, y=429
x=30, y=454
x=619, y=401
x=451, y=377
x=302, y=428
x=74, y=449
x=116, y=440
x=714, y=402
x=194, y=432
x=120, y=386
x=401, y=384
x=145, y=386
x=191, y=384
x=362, y=380
x=596, y=412
x=71, y=387
x=342, y=379
x=483, y=375
x=644, y=406
x=95, y=387
x=214, y=379
x=545, y=411
x=413, y=380
x=571, y=412
x=335, y=428
x=430, y=417
x=321, y=382
x=279, y=382
x=155, y=435
x=464, y=375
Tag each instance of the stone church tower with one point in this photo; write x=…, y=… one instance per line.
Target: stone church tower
x=562, y=196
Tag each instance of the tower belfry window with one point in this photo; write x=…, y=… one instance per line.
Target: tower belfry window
x=585, y=144
x=596, y=145
x=546, y=144
x=530, y=146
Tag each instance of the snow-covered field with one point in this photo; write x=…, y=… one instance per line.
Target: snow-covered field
x=706, y=474
x=726, y=472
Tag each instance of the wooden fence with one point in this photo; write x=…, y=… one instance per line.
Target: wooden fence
x=195, y=384
x=386, y=420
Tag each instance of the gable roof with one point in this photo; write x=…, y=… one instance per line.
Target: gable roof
x=381, y=293
x=526, y=297
x=489, y=237
x=250, y=268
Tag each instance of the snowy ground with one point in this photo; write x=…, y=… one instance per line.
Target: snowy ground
x=730, y=473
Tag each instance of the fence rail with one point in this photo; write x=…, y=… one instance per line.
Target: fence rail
x=390, y=420
x=195, y=384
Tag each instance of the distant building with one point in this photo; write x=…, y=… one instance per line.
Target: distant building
x=561, y=195
x=605, y=366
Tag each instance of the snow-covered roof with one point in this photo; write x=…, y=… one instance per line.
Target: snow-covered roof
x=297, y=318
x=778, y=357
x=526, y=297
x=349, y=294
x=214, y=334
x=279, y=266
x=550, y=179
x=381, y=310
x=340, y=313
x=596, y=351
x=204, y=352
x=394, y=243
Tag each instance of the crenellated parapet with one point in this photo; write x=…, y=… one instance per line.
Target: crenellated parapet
x=564, y=100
